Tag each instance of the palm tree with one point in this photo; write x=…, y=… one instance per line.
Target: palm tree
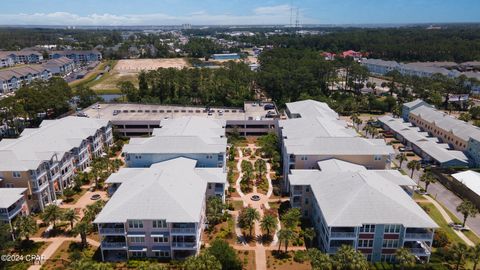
x=428, y=179
x=413, y=165
x=92, y=210
x=309, y=234
x=405, y=258
x=319, y=260
x=285, y=235
x=82, y=228
x=349, y=258
x=83, y=264
x=204, y=261
x=468, y=209
x=248, y=218
x=268, y=223
x=291, y=219
x=214, y=210
x=475, y=256
x=25, y=226
x=71, y=216
x=459, y=253
x=401, y=158
x=52, y=213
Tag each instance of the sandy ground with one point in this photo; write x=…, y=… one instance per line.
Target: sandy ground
x=137, y=65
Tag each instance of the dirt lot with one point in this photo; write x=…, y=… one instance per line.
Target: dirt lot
x=137, y=65
x=127, y=70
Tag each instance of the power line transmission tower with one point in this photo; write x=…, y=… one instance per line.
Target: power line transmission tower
x=297, y=19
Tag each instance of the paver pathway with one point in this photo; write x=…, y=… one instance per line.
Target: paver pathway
x=260, y=205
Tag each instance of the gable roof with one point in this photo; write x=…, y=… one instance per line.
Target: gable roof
x=173, y=190
x=9, y=196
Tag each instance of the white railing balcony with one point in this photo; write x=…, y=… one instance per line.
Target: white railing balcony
x=418, y=236
x=112, y=230
x=37, y=188
x=420, y=251
x=117, y=245
x=184, y=244
x=184, y=230
x=343, y=235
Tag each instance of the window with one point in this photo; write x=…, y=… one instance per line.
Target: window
x=220, y=157
x=159, y=223
x=160, y=239
x=162, y=254
x=9, y=185
x=307, y=189
x=367, y=228
x=306, y=200
x=138, y=254
x=16, y=174
x=390, y=243
x=392, y=228
x=209, y=156
x=209, y=186
x=136, y=224
x=138, y=157
x=304, y=158
x=365, y=243
x=376, y=157
x=387, y=258
x=137, y=239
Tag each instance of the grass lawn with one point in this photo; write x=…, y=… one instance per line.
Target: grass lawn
x=470, y=234
x=93, y=74
x=437, y=217
x=237, y=205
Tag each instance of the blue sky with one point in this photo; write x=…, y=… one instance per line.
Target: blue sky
x=160, y=12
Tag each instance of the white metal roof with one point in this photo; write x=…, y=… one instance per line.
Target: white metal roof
x=354, y=198
x=311, y=108
x=53, y=137
x=470, y=179
x=9, y=196
x=337, y=146
x=173, y=190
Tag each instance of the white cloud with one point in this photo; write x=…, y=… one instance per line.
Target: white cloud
x=261, y=15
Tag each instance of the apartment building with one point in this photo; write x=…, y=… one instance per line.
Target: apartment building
x=6, y=60
x=158, y=211
x=198, y=138
x=371, y=210
x=459, y=135
x=77, y=56
x=14, y=78
x=12, y=204
x=21, y=57
x=44, y=160
x=60, y=66
x=382, y=67
x=314, y=132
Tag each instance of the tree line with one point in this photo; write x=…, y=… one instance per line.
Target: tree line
x=230, y=85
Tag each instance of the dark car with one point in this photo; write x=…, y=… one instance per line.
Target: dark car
x=269, y=107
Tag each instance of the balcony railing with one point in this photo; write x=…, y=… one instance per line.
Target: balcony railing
x=114, y=245
x=184, y=244
x=183, y=230
x=420, y=251
x=112, y=230
x=425, y=236
x=343, y=235
x=333, y=249
x=41, y=187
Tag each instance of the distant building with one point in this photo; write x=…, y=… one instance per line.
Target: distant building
x=352, y=54
x=22, y=57
x=370, y=210
x=77, y=56
x=328, y=56
x=44, y=160
x=158, y=212
x=382, y=67
x=14, y=78
x=226, y=56
x=201, y=139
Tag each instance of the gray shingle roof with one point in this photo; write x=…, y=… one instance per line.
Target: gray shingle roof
x=173, y=190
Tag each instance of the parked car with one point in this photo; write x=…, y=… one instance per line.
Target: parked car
x=269, y=107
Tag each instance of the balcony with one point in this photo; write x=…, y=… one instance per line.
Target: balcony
x=420, y=251
x=333, y=249
x=184, y=230
x=418, y=236
x=40, y=188
x=114, y=245
x=184, y=244
x=115, y=231
x=343, y=235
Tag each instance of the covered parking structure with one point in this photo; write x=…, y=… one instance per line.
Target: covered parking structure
x=427, y=147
